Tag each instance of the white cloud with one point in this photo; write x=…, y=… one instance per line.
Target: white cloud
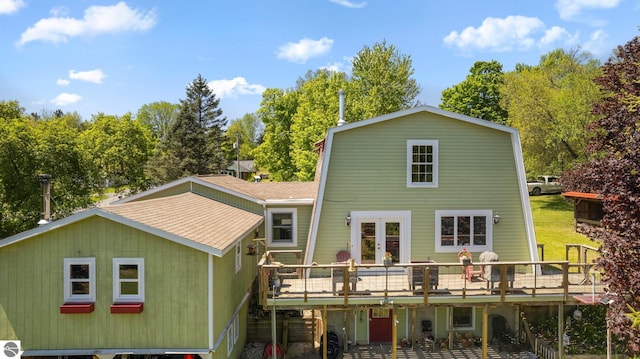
x=234, y=87
x=555, y=35
x=568, y=9
x=596, y=44
x=97, y=20
x=62, y=82
x=10, y=6
x=347, y=3
x=64, y=99
x=512, y=32
x=95, y=76
x=301, y=51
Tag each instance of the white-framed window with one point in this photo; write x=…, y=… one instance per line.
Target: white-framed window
x=230, y=339
x=236, y=328
x=463, y=318
x=238, y=256
x=457, y=229
x=128, y=280
x=233, y=333
x=80, y=280
x=282, y=227
x=422, y=163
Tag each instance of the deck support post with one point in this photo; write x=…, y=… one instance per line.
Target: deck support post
x=394, y=333
x=450, y=319
x=560, y=330
x=485, y=330
x=324, y=331
x=414, y=329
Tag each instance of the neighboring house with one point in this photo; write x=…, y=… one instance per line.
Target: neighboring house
x=246, y=168
x=163, y=271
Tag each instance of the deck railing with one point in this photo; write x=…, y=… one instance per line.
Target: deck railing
x=344, y=283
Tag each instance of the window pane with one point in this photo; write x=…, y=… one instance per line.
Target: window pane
x=368, y=242
x=464, y=230
x=479, y=230
x=392, y=238
x=128, y=271
x=446, y=231
x=462, y=317
x=129, y=288
x=422, y=164
x=80, y=288
x=282, y=227
x=79, y=271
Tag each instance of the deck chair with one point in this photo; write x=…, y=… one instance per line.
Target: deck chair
x=337, y=277
x=469, y=271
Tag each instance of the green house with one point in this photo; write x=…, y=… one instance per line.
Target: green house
x=373, y=244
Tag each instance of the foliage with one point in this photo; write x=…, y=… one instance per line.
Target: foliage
x=550, y=105
x=159, y=116
x=29, y=148
x=274, y=153
x=295, y=119
x=613, y=171
x=117, y=149
x=194, y=142
x=479, y=94
x=248, y=132
x=318, y=108
x=381, y=82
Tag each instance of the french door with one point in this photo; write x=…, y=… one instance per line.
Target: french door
x=376, y=235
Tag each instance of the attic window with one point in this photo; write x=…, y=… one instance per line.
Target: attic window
x=422, y=163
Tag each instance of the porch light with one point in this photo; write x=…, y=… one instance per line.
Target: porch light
x=347, y=221
x=496, y=218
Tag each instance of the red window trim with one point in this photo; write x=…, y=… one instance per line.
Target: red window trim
x=77, y=308
x=127, y=308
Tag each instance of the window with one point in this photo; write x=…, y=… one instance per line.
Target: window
x=128, y=280
x=459, y=229
x=422, y=163
x=238, y=256
x=236, y=328
x=282, y=227
x=463, y=318
x=79, y=280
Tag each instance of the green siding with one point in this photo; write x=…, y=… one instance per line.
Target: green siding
x=171, y=191
x=175, y=308
x=477, y=170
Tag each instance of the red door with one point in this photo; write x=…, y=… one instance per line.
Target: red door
x=380, y=321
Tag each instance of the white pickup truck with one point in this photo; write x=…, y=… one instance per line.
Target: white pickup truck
x=544, y=185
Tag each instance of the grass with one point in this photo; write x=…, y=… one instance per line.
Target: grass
x=553, y=222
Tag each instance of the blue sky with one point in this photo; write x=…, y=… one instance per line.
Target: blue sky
x=115, y=56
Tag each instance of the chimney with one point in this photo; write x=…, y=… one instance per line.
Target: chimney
x=341, y=120
x=45, y=187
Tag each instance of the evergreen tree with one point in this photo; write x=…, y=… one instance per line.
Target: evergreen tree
x=194, y=142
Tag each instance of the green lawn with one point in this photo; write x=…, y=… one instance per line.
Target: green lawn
x=553, y=222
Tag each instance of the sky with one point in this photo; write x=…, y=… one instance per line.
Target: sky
x=112, y=57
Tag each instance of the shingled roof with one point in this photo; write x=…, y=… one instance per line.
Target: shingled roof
x=192, y=217
x=266, y=191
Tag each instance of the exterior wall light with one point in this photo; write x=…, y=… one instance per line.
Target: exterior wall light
x=496, y=218
x=347, y=221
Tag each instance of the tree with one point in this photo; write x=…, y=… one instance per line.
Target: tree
x=613, y=171
x=194, y=143
x=479, y=94
x=550, y=104
x=118, y=148
x=248, y=132
x=381, y=82
x=297, y=118
x=274, y=153
x=159, y=116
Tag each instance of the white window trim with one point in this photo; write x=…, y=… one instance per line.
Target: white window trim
x=125, y=298
x=236, y=328
x=69, y=297
x=294, y=227
x=238, y=252
x=410, y=144
x=473, y=320
x=487, y=213
x=230, y=341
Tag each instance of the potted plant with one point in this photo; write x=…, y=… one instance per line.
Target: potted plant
x=387, y=260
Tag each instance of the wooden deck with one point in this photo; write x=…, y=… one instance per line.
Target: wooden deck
x=516, y=282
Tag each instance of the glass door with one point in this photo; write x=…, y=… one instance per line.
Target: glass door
x=379, y=238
